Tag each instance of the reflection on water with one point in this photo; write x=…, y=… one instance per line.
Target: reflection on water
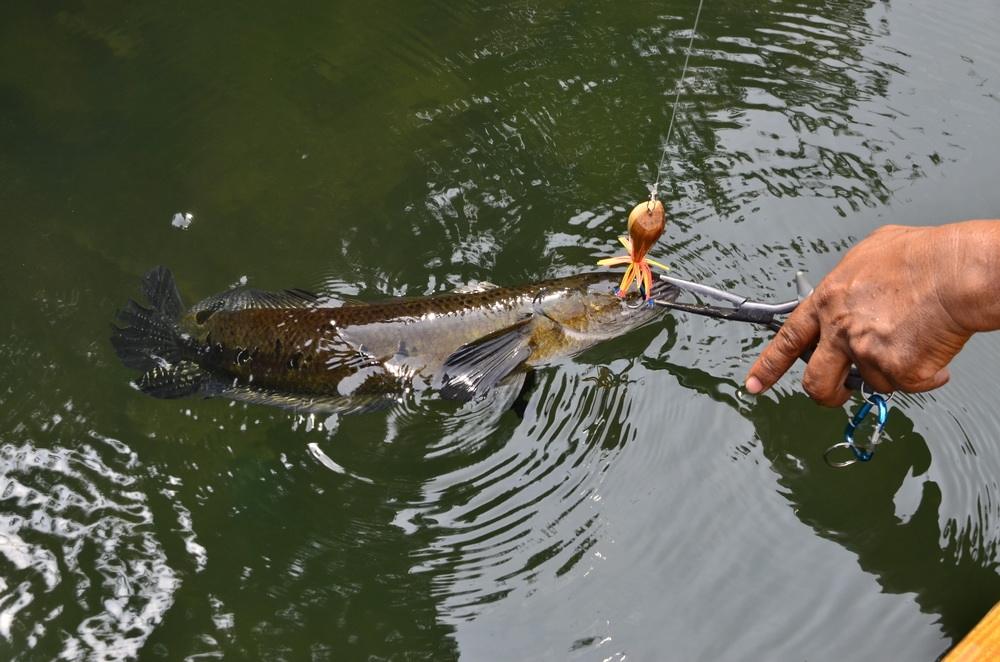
x=626, y=503
x=520, y=508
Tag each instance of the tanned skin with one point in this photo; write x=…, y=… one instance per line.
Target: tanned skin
x=900, y=305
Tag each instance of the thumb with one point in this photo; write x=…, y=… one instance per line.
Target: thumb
x=799, y=333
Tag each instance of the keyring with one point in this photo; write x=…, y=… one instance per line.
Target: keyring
x=868, y=395
x=875, y=401
x=859, y=455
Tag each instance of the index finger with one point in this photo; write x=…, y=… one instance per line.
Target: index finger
x=799, y=332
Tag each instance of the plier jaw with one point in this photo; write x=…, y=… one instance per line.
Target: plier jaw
x=741, y=308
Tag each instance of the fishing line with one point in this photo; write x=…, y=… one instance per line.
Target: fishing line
x=673, y=111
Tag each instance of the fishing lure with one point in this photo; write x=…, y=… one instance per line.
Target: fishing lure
x=645, y=225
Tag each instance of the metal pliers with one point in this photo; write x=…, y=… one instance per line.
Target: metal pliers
x=743, y=309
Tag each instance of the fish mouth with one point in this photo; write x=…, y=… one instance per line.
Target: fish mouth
x=661, y=291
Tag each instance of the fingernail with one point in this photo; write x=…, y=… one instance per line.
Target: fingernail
x=753, y=385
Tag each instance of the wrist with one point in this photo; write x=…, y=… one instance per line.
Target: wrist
x=967, y=269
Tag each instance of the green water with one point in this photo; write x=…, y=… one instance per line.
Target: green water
x=640, y=507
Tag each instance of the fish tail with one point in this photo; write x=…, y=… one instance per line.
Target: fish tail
x=151, y=340
x=149, y=336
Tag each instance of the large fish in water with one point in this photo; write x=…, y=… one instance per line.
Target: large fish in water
x=292, y=349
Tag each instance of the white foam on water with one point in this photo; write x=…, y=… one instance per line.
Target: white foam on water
x=182, y=220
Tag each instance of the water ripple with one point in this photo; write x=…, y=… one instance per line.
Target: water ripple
x=77, y=523
x=529, y=506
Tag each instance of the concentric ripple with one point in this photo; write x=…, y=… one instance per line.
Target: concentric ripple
x=528, y=506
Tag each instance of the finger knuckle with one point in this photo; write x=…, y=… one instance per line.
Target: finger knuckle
x=918, y=378
x=821, y=295
x=809, y=386
x=866, y=350
x=767, y=367
x=835, y=399
x=874, y=378
x=789, y=341
x=908, y=385
x=821, y=390
x=896, y=369
x=830, y=293
x=902, y=376
x=826, y=399
x=812, y=386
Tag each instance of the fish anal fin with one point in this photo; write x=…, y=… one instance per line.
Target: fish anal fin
x=312, y=404
x=177, y=380
x=476, y=367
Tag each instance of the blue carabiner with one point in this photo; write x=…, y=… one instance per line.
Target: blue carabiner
x=881, y=404
x=882, y=412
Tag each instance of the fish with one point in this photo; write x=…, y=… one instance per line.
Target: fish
x=294, y=349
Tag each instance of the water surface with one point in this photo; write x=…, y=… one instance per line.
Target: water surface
x=639, y=507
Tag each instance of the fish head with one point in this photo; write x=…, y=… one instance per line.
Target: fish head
x=595, y=312
x=197, y=321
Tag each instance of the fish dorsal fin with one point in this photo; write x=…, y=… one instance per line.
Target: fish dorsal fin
x=476, y=367
x=248, y=298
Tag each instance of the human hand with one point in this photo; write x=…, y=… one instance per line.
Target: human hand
x=900, y=306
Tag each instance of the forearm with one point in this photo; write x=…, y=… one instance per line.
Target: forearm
x=966, y=258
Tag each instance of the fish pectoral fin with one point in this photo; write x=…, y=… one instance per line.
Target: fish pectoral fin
x=177, y=380
x=476, y=367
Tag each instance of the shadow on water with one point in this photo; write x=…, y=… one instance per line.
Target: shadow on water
x=952, y=575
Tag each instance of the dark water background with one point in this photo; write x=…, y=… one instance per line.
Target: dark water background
x=639, y=508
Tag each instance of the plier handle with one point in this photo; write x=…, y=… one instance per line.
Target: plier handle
x=743, y=309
